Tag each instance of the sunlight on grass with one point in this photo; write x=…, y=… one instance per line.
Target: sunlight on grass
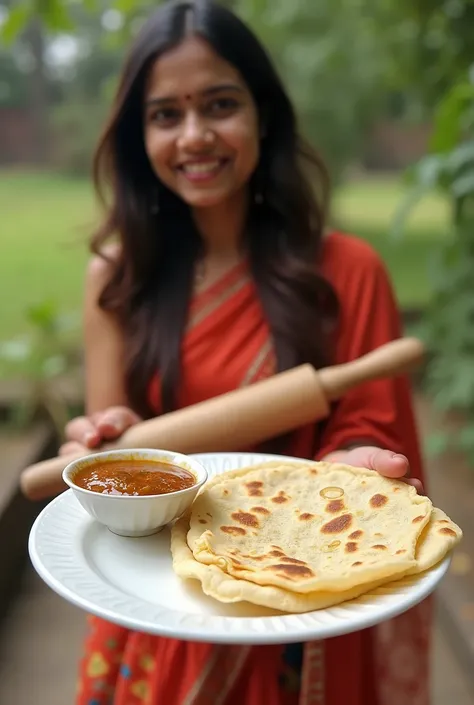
x=374, y=201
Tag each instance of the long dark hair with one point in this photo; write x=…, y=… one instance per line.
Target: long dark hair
x=151, y=283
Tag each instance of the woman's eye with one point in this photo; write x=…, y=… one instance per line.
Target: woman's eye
x=165, y=116
x=222, y=106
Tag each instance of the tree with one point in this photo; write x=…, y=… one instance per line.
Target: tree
x=448, y=324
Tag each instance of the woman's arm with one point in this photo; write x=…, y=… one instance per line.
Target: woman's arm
x=103, y=343
x=107, y=415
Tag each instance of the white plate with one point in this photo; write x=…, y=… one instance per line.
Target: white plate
x=131, y=582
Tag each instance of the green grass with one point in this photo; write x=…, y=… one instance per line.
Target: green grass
x=373, y=202
x=45, y=221
x=44, y=224
x=367, y=208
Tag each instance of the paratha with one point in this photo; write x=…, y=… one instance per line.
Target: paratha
x=438, y=537
x=433, y=547
x=308, y=527
x=433, y=540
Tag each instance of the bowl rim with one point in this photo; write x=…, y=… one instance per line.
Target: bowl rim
x=179, y=457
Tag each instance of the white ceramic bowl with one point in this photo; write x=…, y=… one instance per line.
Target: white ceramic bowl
x=136, y=515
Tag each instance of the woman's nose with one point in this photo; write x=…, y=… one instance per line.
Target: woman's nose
x=193, y=134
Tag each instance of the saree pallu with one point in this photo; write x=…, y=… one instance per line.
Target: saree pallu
x=227, y=345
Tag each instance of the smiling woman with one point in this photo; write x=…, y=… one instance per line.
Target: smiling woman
x=201, y=127
x=223, y=273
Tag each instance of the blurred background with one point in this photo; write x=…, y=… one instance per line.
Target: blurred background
x=385, y=90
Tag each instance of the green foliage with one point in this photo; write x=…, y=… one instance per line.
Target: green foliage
x=333, y=63
x=449, y=322
x=40, y=359
x=53, y=13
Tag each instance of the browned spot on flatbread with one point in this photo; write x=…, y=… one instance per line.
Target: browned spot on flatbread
x=378, y=500
x=380, y=547
x=280, y=498
x=396, y=489
x=254, y=488
x=313, y=471
x=400, y=551
x=276, y=554
x=351, y=547
x=246, y=519
x=357, y=563
x=336, y=505
x=260, y=510
x=337, y=525
x=416, y=520
x=442, y=521
x=203, y=521
x=356, y=534
x=293, y=572
x=225, y=492
x=447, y=531
x=233, y=530
x=306, y=516
x=295, y=561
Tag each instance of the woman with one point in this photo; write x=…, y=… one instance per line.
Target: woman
x=222, y=274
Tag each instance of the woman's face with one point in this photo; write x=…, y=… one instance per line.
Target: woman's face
x=201, y=125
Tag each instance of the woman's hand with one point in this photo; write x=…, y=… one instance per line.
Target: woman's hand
x=87, y=432
x=385, y=462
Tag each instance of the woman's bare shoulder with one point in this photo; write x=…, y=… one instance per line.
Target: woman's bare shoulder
x=101, y=266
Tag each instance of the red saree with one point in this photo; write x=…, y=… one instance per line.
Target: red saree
x=226, y=346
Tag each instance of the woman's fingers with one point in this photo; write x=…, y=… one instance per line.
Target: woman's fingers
x=82, y=430
x=111, y=423
x=90, y=431
x=417, y=484
x=72, y=447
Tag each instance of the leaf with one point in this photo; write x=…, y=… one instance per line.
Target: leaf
x=43, y=315
x=16, y=21
x=125, y=6
x=405, y=208
x=55, y=15
x=461, y=156
x=463, y=185
x=448, y=119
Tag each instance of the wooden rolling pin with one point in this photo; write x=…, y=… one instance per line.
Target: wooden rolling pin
x=244, y=417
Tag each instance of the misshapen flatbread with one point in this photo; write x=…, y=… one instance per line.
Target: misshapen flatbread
x=434, y=540
x=308, y=527
x=438, y=538
x=225, y=588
